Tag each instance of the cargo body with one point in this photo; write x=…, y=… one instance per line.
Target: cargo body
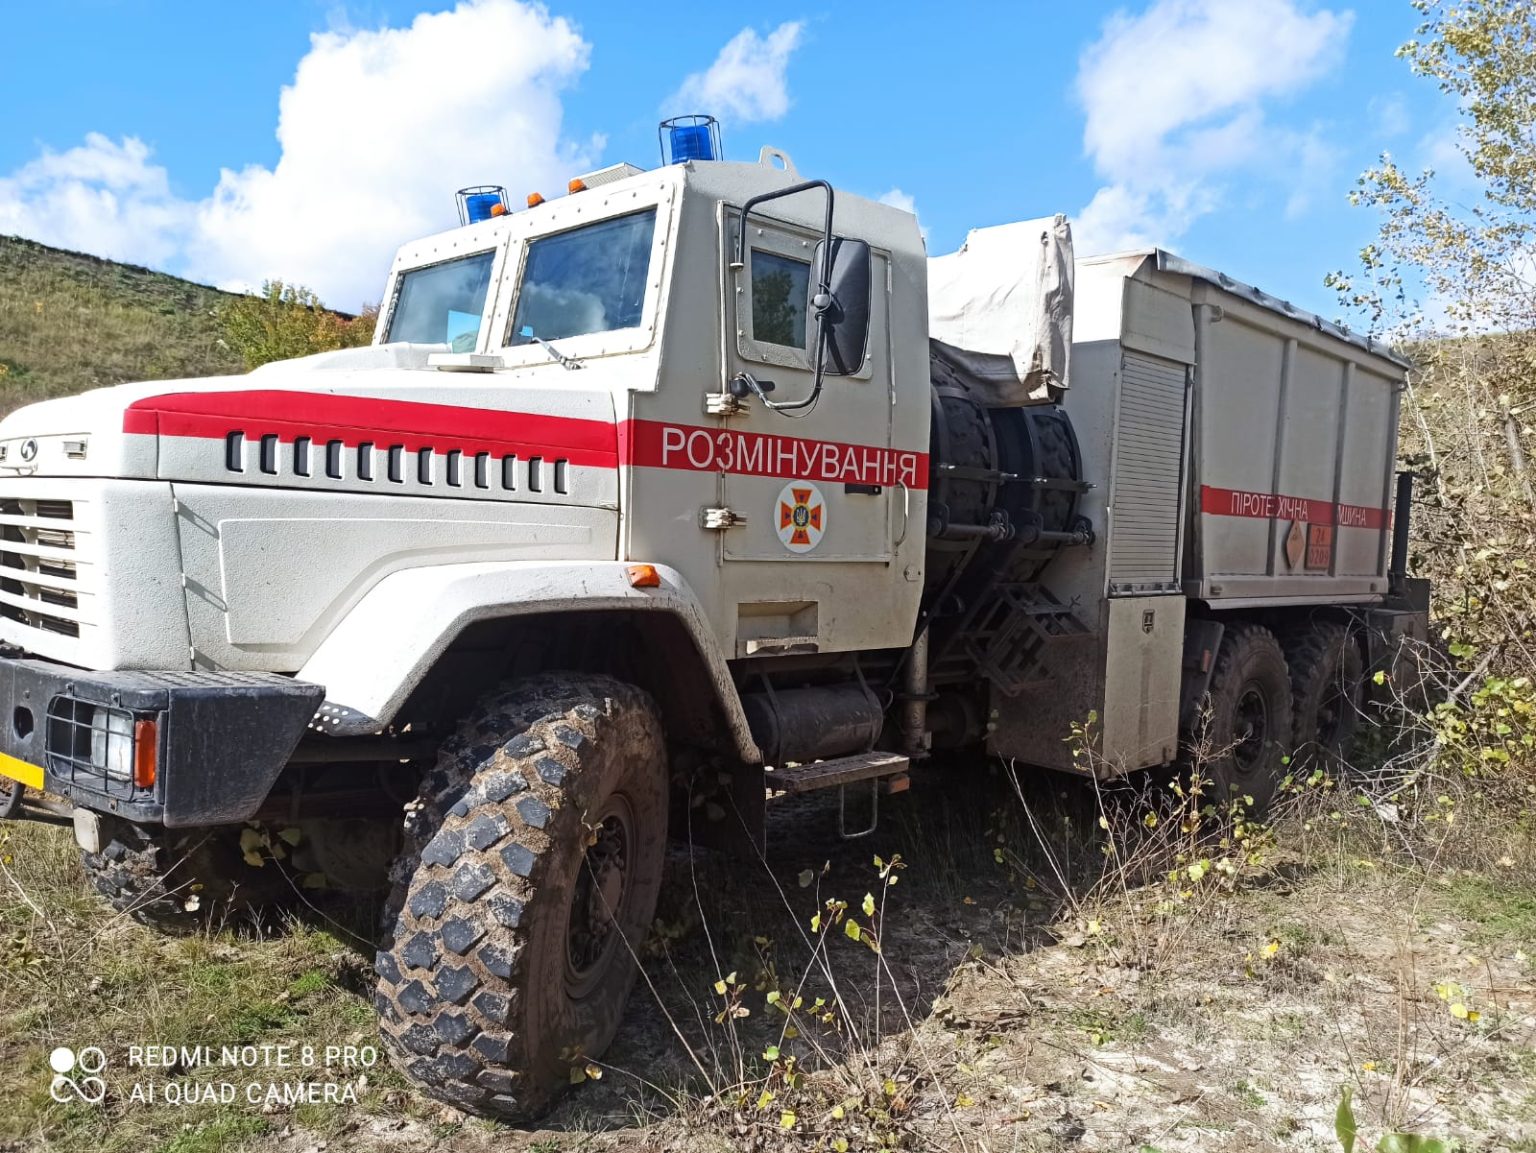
x=1243, y=453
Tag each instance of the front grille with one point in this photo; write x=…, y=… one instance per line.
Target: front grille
x=39, y=565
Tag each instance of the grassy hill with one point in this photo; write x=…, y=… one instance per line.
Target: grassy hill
x=71, y=322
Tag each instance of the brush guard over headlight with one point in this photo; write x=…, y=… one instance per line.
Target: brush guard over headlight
x=176, y=748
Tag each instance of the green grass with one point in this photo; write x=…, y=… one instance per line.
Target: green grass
x=227, y=1132
x=71, y=973
x=1504, y=911
x=71, y=322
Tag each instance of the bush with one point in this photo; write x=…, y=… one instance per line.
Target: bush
x=284, y=321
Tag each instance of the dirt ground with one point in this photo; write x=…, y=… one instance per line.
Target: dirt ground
x=1016, y=1000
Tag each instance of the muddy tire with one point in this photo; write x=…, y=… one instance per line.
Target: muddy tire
x=1247, y=721
x=11, y=793
x=529, y=876
x=179, y=881
x=1327, y=690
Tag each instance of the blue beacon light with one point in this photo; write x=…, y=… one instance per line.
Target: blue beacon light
x=479, y=202
x=685, y=138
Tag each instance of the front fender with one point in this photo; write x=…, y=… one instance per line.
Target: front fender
x=378, y=654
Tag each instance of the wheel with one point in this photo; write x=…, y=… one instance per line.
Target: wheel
x=1327, y=686
x=10, y=797
x=1248, y=724
x=179, y=880
x=528, y=879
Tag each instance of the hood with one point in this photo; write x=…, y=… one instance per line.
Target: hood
x=337, y=420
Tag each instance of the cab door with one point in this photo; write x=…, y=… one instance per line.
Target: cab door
x=817, y=484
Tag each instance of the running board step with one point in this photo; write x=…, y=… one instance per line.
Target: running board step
x=837, y=772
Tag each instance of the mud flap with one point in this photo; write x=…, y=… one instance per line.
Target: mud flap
x=1202, y=640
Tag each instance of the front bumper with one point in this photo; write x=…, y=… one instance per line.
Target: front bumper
x=220, y=739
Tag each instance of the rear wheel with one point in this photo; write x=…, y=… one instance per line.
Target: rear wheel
x=1246, y=730
x=1327, y=685
x=528, y=881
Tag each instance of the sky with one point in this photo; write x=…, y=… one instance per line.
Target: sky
x=304, y=140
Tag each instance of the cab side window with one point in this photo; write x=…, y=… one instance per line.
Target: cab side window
x=780, y=290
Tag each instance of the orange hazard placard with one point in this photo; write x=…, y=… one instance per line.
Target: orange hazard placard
x=1319, y=546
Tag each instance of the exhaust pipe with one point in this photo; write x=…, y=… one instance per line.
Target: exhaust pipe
x=1397, y=575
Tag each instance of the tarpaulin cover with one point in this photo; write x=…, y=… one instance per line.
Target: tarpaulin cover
x=1003, y=305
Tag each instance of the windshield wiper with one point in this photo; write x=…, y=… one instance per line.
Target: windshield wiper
x=569, y=362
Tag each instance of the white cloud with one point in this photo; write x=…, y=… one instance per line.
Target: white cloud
x=1175, y=99
x=101, y=197
x=747, y=81
x=377, y=129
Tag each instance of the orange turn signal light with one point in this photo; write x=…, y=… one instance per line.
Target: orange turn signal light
x=577, y=184
x=644, y=576
x=146, y=752
x=535, y=199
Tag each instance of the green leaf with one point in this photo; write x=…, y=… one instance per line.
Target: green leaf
x=1344, y=1121
x=851, y=930
x=869, y=904
x=771, y=1053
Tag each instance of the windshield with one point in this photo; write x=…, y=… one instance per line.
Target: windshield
x=443, y=303
x=590, y=279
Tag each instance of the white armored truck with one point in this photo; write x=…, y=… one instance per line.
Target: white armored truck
x=688, y=487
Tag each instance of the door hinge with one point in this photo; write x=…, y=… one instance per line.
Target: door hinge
x=719, y=519
x=723, y=404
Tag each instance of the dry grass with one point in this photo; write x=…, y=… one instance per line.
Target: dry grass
x=1058, y=996
x=70, y=322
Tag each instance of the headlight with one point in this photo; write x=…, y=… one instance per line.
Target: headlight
x=112, y=742
x=90, y=740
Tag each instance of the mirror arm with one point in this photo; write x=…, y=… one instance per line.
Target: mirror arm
x=823, y=298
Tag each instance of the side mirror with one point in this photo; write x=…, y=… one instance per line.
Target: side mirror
x=845, y=321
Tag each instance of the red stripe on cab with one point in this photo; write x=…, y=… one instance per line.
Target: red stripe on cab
x=356, y=419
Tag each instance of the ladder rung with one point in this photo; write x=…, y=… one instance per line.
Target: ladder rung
x=836, y=772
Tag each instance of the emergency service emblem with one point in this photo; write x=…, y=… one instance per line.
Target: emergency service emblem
x=802, y=516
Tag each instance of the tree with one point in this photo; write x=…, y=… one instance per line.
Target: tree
x=1438, y=263
x=284, y=321
x=1452, y=276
